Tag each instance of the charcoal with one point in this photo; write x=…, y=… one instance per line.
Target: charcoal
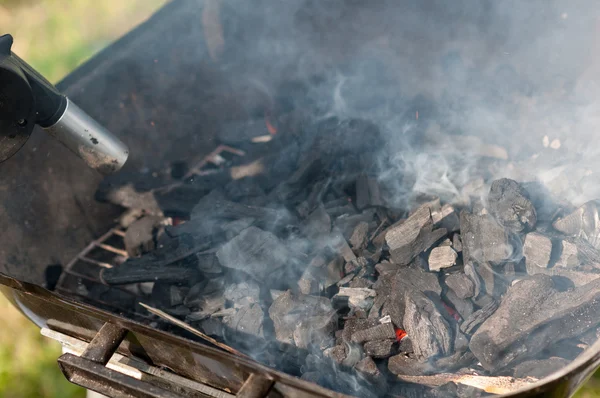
x=379, y=332
x=338, y=244
x=347, y=223
x=583, y=222
x=454, y=362
x=569, y=255
x=461, y=285
x=385, y=267
x=430, y=333
x=242, y=294
x=289, y=309
x=316, y=330
x=510, y=205
x=243, y=188
x=483, y=239
x=129, y=216
x=368, y=368
x=210, y=326
x=446, y=217
x=345, y=280
x=208, y=264
x=441, y=257
x=318, y=278
x=346, y=210
x=532, y=316
x=318, y=224
x=139, y=238
x=539, y=368
x=170, y=262
x=357, y=298
x=168, y=295
x=337, y=353
x=354, y=325
x=586, y=253
x=379, y=348
x=361, y=283
x=314, y=198
x=406, y=346
x=254, y=251
x=463, y=307
x=457, y=243
x=180, y=311
x=248, y=319
x=413, y=236
x=233, y=228
x=402, y=364
x=358, y=240
x=354, y=354
x=368, y=192
x=537, y=250
x=471, y=323
x=409, y=280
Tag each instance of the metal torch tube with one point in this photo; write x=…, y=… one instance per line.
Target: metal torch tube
x=98, y=147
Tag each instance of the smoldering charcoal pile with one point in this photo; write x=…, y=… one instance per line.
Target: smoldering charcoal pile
x=312, y=253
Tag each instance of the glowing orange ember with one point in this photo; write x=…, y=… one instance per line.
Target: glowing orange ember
x=417, y=115
x=400, y=334
x=452, y=312
x=272, y=130
x=177, y=221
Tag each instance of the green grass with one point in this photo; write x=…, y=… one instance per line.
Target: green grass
x=55, y=36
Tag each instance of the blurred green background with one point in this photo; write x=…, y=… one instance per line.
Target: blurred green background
x=55, y=36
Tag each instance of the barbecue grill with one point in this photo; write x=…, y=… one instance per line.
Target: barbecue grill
x=165, y=88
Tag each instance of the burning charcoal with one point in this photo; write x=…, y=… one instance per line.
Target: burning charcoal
x=379, y=332
x=406, y=346
x=413, y=236
x=248, y=319
x=289, y=309
x=441, y=257
x=318, y=224
x=510, y=205
x=337, y=353
x=379, y=348
x=368, y=368
x=354, y=325
x=532, y=316
x=408, y=280
x=316, y=330
x=568, y=255
x=457, y=243
x=461, y=308
x=368, y=192
x=254, y=251
x=471, y=323
x=170, y=262
x=429, y=331
x=139, y=238
x=540, y=368
x=586, y=253
x=242, y=294
x=402, y=364
x=537, y=250
x=583, y=222
x=461, y=285
x=358, y=240
x=483, y=239
x=357, y=298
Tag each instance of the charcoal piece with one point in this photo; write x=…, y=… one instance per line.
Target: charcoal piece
x=540, y=368
x=208, y=264
x=243, y=188
x=569, y=255
x=233, y=228
x=584, y=223
x=358, y=240
x=254, y=251
x=314, y=198
x=406, y=346
x=413, y=236
x=354, y=354
x=317, y=330
x=441, y=257
x=338, y=244
x=483, y=239
x=461, y=285
x=446, y=217
x=368, y=192
x=379, y=332
x=385, y=267
x=471, y=323
x=361, y=283
x=353, y=325
x=140, y=236
x=289, y=309
x=248, y=319
x=454, y=362
x=429, y=332
x=531, y=317
x=318, y=224
x=348, y=222
x=537, y=250
x=356, y=298
x=318, y=278
x=345, y=280
x=487, y=280
x=463, y=307
x=409, y=280
x=368, y=368
x=167, y=294
x=337, y=353
x=510, y=205
x=172, y=261
x=402, y=364
x=586, y=253
x=346, y=210
x=242, y=294
x=379, y=348
x=457, y=243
